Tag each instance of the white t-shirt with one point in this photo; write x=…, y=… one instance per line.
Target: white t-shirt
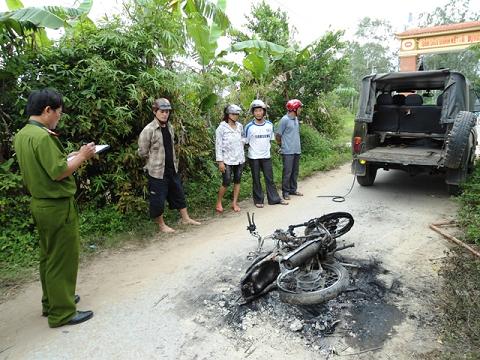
x=258, y=138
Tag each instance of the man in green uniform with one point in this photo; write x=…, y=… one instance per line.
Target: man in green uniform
x=48, y=177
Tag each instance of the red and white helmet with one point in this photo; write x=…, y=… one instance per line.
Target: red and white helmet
x=293, y=105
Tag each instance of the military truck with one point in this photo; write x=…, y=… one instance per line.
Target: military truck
x=420, y=121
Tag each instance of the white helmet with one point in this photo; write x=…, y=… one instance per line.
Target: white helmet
x=257, y=104
x=232, y=109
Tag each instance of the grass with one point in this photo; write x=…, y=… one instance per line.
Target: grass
x=469, y=214
x=347, y=122
x=459, y=299
x=459, y=302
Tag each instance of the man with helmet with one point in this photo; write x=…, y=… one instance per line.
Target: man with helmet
x=229, y=154
x=155, y=145
x=258, y=135
x=288, y=137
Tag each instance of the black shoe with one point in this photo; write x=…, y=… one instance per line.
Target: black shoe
x=80, y=317
x=76, y=299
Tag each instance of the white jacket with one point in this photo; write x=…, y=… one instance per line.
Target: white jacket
x=229, y=144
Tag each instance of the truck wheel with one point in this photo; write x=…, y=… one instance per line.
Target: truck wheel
x=460, y=174
x=457, y=139
x=453, y=190
x=369, y=177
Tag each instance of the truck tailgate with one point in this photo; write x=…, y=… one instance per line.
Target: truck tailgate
x=417, y=155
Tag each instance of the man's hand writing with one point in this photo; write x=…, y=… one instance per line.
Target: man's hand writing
x=87, y=151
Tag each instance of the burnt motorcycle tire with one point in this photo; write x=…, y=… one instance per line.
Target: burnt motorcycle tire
x=331, y=222
x=318, y=296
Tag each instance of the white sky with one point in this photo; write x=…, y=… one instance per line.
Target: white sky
x=311, y=18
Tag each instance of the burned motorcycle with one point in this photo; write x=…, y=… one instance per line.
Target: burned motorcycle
x=302, y=268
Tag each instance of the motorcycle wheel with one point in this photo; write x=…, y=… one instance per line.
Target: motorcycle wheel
x=336, y=281
x=337, y=223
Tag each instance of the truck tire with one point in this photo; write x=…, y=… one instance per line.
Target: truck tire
x=460, y=174
x=457, y=139
x=369, y=177
x=453, y=190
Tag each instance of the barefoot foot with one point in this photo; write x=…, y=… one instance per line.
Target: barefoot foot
x=166, y=229
x=236, y=208
x=190, y=221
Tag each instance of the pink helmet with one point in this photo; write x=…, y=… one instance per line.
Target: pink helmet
x=293, y=105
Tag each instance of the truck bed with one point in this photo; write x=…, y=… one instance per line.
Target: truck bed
x=405, y=155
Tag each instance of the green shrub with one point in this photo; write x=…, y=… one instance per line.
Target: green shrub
x=325, y=115
x=18, y=242
x=469, y=213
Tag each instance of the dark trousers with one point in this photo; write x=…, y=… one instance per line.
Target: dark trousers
x=264, y=165
x=291, y=164
x=167, y=189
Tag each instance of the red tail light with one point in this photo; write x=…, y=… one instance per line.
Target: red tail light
x=357, y=144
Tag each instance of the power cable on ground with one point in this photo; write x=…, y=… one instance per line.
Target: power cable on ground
x=338, y=198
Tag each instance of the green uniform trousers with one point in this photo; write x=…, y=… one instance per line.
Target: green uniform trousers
x=58, y=229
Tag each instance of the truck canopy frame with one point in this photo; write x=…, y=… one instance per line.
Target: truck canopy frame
x=454, y=86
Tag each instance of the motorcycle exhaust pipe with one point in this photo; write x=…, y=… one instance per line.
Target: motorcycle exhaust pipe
x=301, y=255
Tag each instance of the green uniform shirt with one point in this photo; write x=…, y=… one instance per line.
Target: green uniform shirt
x=42, y=159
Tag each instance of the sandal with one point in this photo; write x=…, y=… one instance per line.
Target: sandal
x=297, y=193
x=259, y=205
x=283, y=202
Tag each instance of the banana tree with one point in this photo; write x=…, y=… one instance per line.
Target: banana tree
x=260, y=55
x=21, y=23
x=205, y=23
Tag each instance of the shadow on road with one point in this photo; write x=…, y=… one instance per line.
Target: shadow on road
x=398, y=181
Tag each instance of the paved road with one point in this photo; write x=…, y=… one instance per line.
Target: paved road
x=154, y=302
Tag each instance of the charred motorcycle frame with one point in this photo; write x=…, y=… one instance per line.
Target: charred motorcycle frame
x=302, y=268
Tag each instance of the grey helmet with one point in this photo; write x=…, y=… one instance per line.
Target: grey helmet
x=257, y=104
x=161, y=104
x=232, y=109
